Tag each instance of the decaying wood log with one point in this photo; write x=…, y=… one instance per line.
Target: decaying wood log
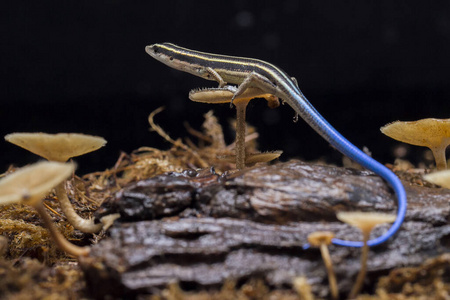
x=201, y=229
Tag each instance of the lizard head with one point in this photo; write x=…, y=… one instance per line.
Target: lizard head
x=178, y=58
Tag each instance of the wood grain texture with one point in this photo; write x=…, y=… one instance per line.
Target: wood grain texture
x=203, y=229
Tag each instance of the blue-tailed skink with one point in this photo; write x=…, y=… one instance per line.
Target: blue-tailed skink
x=249, y=72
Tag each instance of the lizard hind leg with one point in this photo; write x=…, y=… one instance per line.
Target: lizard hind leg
x=295, y=81
x=255, y=80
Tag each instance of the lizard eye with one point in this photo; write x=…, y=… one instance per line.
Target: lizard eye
x=171, y=58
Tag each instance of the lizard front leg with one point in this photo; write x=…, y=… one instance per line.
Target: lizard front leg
x=216, y=77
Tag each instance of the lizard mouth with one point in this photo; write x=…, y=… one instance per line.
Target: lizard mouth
x=152, y=50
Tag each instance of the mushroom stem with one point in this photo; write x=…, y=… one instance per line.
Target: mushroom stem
x=439, y=157
x=241, y=107
x=362, y=272
x=59, y=239
x=303, y=288
x=74, y=219
x=331, y=276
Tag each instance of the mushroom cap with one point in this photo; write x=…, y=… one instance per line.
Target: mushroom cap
x=365, y=221
x=320, y=237
x=225, y=94
x=263, y=157
x=56, y=147
x=32, y=183
x=441, y=178
x=253, y=158
x=426, y=132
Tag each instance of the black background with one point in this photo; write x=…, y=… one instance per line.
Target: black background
x=80, y=66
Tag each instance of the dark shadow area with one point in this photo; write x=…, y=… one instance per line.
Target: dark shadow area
x=81, y=67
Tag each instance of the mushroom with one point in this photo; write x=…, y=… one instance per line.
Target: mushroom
x=365, y=221
x=322, y=239
x=441, y=178
x=29, y=185
x=303, y=288
x=225, y=95
x=253, y=158
x=431, y=133
x=60, y=147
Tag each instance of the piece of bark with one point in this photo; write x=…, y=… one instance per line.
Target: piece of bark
x=158, y=197
x=254, y=224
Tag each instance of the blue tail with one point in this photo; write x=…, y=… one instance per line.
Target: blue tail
x=302, y=106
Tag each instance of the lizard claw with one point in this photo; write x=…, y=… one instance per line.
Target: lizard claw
x=232, y=100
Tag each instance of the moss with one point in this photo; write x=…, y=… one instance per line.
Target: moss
x=252, y=290
x=22, y=226
x=30, y=279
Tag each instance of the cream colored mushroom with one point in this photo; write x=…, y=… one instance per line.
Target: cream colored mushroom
x=29, y=185
x=56, y=147
x=253, y=158
x=322, y=239
x=365, y=221
x=441, y=178
x=303, y=288
x=431, y=133
x=224, y=95
x=61, y=147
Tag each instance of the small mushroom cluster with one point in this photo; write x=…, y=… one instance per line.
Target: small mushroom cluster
x=29, y=185
x=364, y=221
